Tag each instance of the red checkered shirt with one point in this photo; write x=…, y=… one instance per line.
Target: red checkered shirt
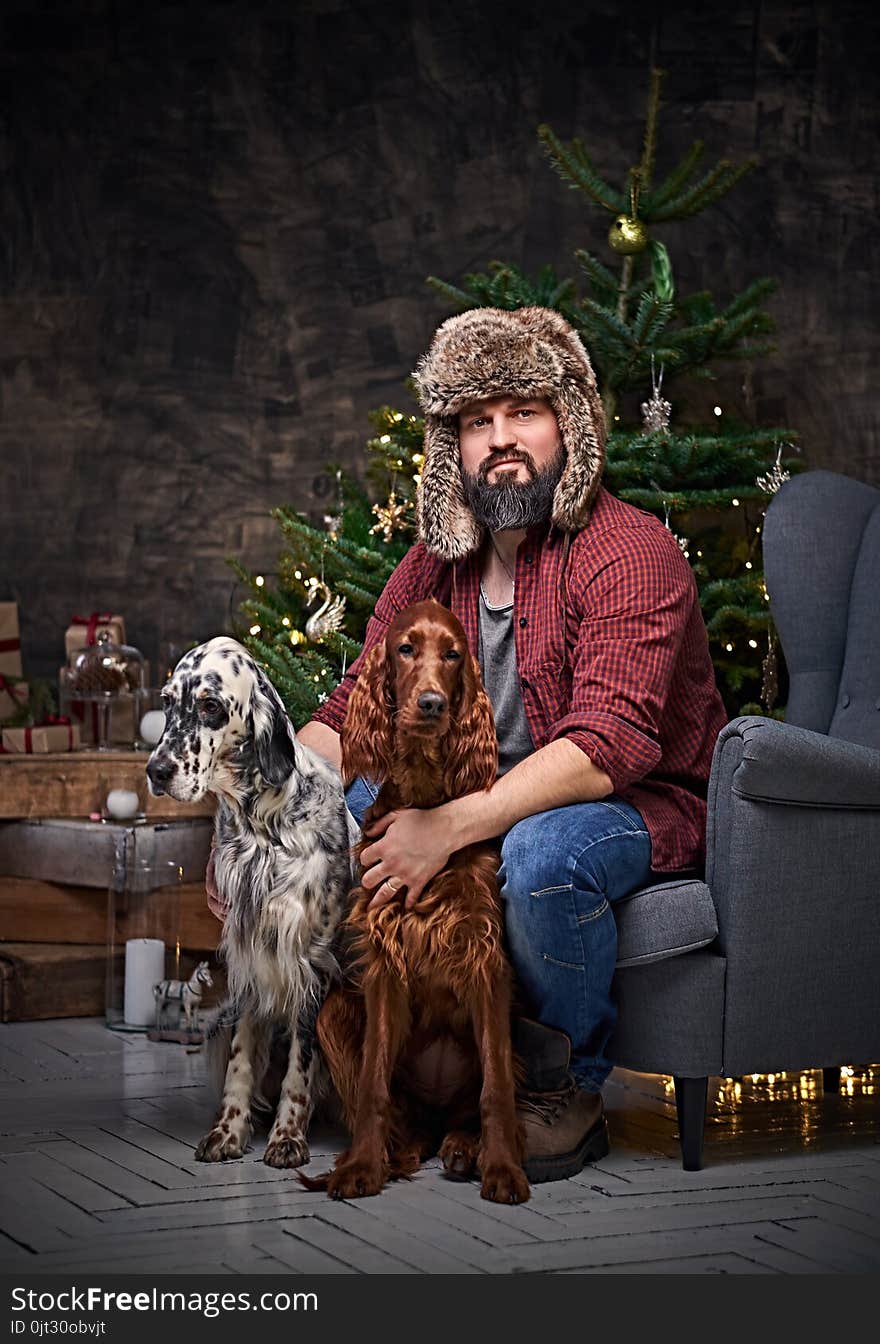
x=619, y=664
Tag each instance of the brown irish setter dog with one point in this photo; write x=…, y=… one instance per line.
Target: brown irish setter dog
x=431, y=991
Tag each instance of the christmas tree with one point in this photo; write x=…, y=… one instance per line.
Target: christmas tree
x=708, y=483
x=308, y=625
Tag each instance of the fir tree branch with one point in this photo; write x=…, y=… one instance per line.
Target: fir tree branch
x=753, y=295
x=356, y=593
x=575, y=168
x=673, y=184
x=459, y=298
x=601, y=319
x=717, y=183
x=649, y=151
x=604, y=281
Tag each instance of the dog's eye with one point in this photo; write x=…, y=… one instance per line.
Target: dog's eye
x=405, y=649
x=452, y=655
x=209, y=705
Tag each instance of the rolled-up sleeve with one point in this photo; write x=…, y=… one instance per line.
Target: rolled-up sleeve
x=636, y=603
x=404, y=586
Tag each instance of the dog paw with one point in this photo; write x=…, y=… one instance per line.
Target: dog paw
x=220, y=1146
x=458, y=1153
x=355, y=1180
x=505, y=1184
x=286, y=1150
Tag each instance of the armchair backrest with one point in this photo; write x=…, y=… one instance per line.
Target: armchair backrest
x=821, y=549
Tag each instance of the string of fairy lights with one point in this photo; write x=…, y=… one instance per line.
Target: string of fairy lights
x=802, y=1090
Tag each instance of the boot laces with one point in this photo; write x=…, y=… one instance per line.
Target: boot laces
x=548, y=1106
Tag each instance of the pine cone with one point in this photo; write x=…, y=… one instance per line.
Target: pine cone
x=96, y=678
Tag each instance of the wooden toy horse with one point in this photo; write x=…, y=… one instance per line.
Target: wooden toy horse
x=187, y=994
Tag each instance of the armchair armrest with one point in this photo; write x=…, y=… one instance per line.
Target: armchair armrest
x=782, y=763
x=792, y=854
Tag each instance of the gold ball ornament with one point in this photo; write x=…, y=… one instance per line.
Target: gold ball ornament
x=628, y=235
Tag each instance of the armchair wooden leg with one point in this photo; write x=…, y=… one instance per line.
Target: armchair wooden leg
x=831, y=1079
x=690, y=1103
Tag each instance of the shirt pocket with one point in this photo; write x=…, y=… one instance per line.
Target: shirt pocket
x=546, y=693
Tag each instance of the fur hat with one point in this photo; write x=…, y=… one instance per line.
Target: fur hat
x=489, y=352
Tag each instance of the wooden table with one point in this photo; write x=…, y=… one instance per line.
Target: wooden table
x=75, y=783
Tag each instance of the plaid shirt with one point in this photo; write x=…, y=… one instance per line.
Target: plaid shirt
x=619, y=665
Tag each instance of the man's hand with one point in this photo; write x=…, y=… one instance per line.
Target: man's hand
x=411, y=846
x=216, y=902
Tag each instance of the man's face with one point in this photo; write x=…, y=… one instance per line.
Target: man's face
x=511, y=460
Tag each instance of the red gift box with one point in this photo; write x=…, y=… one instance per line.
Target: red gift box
x=84, y=630
x=42, y=739
x=10, y=641
x=13, y=691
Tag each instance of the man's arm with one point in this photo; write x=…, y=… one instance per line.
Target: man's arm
x=552, y=776
x=322, y=739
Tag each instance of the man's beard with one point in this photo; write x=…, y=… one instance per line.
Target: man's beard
x=507, y=503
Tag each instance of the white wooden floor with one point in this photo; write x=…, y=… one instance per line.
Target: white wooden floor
x=97, y=1173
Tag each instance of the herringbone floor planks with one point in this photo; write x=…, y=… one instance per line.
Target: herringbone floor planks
x=97, y=1133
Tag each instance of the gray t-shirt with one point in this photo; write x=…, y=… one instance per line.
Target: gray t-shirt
x=497, y=658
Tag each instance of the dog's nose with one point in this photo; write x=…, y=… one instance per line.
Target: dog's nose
x=432, y=704
x=159, y=771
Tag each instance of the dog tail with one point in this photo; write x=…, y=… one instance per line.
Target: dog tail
x=402, y=1165
x=313, y=1182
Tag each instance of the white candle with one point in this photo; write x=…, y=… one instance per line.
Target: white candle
x=144, y=968
x=122, y=803
x=152, y=726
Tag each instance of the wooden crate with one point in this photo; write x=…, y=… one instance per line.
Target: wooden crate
x=74, y=784
x=40, y=980
x=83, y=853
x=45, y=980
x=55, y=878
x=32, y=910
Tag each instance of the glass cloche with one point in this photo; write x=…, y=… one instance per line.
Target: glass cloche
x=111, y=677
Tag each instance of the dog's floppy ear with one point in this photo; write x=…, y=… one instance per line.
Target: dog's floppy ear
x=367, y=743
x=472, y=755
x=273, y=737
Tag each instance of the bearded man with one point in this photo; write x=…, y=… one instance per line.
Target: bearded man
x=594, y=653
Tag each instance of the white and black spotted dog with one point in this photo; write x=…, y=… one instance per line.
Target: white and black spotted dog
x=282, y=846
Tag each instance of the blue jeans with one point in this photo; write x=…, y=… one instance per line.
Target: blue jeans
x=561, y=872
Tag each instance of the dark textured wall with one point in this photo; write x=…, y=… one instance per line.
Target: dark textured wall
x=217, y=220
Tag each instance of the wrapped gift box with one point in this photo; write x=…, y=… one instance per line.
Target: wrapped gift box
x=10, y=640
x=84, y=630
x=12, y=696
x=48, y=737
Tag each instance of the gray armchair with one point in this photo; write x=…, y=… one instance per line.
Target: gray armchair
x=771, y=963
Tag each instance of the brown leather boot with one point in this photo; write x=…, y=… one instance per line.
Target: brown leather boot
x=564, y=1126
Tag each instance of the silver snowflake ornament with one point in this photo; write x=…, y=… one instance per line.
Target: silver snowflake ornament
x=656, y=412
x=776, y=476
